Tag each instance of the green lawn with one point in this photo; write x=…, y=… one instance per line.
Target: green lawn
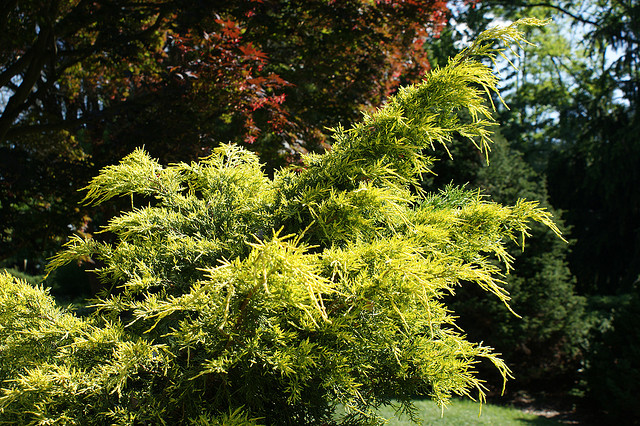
x=464, y=412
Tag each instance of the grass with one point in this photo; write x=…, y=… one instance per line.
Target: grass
x=465, y=412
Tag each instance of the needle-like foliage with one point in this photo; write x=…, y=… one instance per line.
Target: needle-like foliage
x=312, y=297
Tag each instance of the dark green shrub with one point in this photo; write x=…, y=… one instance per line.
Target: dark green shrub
x=613, y=365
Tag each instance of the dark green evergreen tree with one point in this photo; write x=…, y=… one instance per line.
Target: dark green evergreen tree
x=545, y=344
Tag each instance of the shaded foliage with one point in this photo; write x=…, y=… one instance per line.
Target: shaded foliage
x=84, y=83
x=546, y=344
x=613, y=366
x=574, y=117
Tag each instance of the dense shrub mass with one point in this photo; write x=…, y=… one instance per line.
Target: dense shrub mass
x=613, y=364
x=234, y=297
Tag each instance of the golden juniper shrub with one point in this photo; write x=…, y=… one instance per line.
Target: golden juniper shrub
x=234, y=298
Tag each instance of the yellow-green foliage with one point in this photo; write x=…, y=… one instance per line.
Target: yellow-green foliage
x=234, y=298
x=32, y=327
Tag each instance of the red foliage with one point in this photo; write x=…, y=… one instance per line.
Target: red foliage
x=221, y=68
x=342, y=57
x=420, y=21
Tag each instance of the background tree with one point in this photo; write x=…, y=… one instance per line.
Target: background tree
x=545, y=346
x=84, y=83
x=574, y=117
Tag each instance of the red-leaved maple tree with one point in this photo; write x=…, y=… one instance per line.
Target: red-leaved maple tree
x=82, y=83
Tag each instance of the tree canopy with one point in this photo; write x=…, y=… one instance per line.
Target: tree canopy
x=574, y=114
x=85, y=82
